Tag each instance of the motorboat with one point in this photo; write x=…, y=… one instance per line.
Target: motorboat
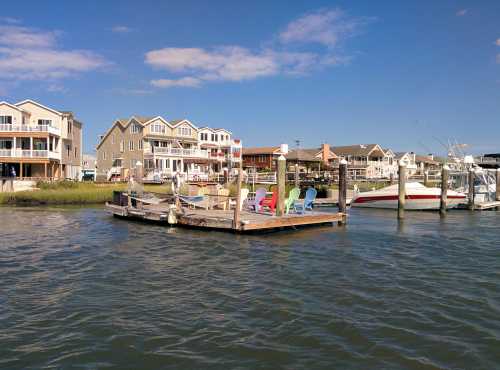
x=418, y=197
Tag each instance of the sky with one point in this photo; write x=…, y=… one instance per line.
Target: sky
x=409, y=75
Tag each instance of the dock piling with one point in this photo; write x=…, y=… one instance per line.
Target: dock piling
x=297, y=180
x=445, y=174
x=342, y=186
x=281, y=178
x=471, y=189
x=401, y=191
x=237, y=209
x=426, y=178
x=497, y=195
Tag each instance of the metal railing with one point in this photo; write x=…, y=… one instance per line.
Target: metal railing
x=180, y=152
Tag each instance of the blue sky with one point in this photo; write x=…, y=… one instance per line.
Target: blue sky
x=405, y=74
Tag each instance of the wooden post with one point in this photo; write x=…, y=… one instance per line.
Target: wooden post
x=471, y=189
x=445, y=173
x=402, y=191
x=497, y=197
x=391, y=179
x=426, y=178
x=45, y=170
x=342, y=201
x=21, y=170
x=297, y=180
x=281, y=177
x=237, y=209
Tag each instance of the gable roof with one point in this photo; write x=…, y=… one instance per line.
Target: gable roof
x=304, y=155
x=356, y=150
x=261, y=150
x=13, y=106
x=39, y=105
x=178, y=122
x=425, y=159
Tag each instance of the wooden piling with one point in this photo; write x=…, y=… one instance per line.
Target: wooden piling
x=237, y=209
x=471, y=189
x=342, y=199
x=297, y=180
x=497, y=195
x=401, y=191
x=445, y=174
x=426, y=178
x=391, y=179
x=281, y=178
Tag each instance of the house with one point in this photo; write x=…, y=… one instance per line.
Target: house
x=427, y=163
x=89, y=163
x=317, y=159
x=364, y=161
x=163, y=147
x=260, y=159
x=223, y=151
x=408, y=159
x=38, y=142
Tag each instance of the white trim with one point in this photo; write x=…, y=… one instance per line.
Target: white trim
x=40, y=105
x=183, y=122
x=3, y=102
x=158, y=118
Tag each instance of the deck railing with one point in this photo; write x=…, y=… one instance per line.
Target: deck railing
x=26, y=153
x=181, y=152
x=27, y=128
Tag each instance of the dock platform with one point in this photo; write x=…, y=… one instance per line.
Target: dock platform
x=223, y=219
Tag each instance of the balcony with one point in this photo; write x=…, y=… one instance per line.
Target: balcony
x=180, y=152
x=26, y=153
x=27, y=128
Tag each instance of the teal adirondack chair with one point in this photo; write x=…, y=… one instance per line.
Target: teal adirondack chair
x=308, y=201
x=293, y=196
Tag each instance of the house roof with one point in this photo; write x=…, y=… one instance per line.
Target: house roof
x=303, y=155
x=399, y=155
x=261, y=150
x=12, y=106
x=425, y=159
x=39, y=105
x=356, y=150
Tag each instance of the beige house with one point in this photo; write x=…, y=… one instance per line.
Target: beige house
x=162, y=147
x=38, y=142
x=365, y=161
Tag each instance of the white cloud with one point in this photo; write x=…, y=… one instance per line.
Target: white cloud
x=182, y=82
x=325, y=27
x=121, y=29
x=236, y=63
x=497, y=42
x=30, y=54
x=10, y=20
x=461, y=12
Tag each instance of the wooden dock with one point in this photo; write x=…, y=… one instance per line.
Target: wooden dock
x=223, y=219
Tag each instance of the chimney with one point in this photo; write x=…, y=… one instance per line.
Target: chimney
x=325, y=152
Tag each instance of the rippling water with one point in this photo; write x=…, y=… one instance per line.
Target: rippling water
x=80, y=289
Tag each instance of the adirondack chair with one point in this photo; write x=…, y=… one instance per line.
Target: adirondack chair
x=244, y=196
x=255, y=203
x=307, y=204
x=270, y=202
x=293, y=196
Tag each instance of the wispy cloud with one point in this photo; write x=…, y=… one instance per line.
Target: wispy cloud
x=235, y=63
x=10, y=20
x=498, y=58
x=32, y=54
x=461, y=12
x=325, y=27
x=121, y=29
x=497, y=42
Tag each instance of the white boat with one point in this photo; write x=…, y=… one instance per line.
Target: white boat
x=418, y=197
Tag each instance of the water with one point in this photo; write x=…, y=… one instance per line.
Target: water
x=82, y=290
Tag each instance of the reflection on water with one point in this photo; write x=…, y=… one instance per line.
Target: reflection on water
x=80, y=289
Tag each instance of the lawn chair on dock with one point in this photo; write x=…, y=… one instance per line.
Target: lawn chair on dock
x=243, y=196
x=254, y=204
x=307, y=204
x=269, y=202
x=293, y=196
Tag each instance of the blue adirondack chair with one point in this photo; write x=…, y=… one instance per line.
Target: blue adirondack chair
x=260, y=194
x=307, y=204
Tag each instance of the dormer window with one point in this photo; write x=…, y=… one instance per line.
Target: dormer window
x=158, y=128
x=135, y=128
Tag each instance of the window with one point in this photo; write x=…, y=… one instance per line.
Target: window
x=48, y=122
x=204, y=136
x=121, y=146
x=135, y=128
x=103, y=155
x=76, y=152
x=158, y=128
x=131, y=145
x=132, y=163
x=5, y=120
x=139, y=144
x=68, y=149
x=70, y=126
x=184, y=131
